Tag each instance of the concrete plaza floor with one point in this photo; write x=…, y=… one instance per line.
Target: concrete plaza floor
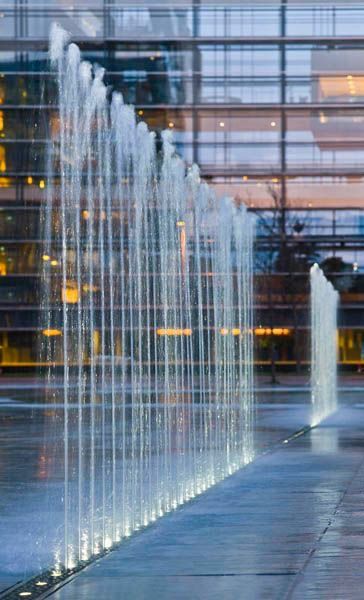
x=290, y=525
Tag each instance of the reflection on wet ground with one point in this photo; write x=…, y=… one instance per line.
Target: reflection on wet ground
x=265, y=519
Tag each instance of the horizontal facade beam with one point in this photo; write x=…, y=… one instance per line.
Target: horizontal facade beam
x=108, y=43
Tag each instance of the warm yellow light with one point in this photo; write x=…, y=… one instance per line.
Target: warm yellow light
x=86, y=214
x=275, y=180
x=70, y=294
x=3, y=268
x=285, y=331
x=224, y=331
x=42, y=184
x=245, y=177
x=51, y=332
x=170, y=331
x=89, y=288
x=45, y=257
x=140, y=112
x=2, y=159
x=259, y=331
x=180, y=223
x=54, y=263
x=171, y=124
x=277, y=331
x=1, y=120
x=29, y=180
x=349, y=77
x=235, y=331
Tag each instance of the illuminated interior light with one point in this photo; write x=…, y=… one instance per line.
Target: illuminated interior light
x=170, y=331
x=70, y=295
x=236, y=331
x=23, y=594
x=355, y=266
x=323, y=118
x=277, y=331
x=259, y=331
x=349, y=77
x=85, y=214
x=51, y=332
x=1, y=120
x=222, y=124
x=245, y=177
x=180, y=223
x=285, y=331
x=42, y=184
x=41, y=583
x=29, y=180
x=46, y=257
x=140, y=112
x=90, y=288
x=273, y=123
x=171, y=124
x=2, y=159
x=224, y=331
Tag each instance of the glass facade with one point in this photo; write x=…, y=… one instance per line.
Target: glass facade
x=268, y=98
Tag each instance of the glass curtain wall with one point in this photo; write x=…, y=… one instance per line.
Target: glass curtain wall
x=267, y=97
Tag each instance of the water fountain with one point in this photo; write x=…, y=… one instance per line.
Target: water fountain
x=148, y=296
x=324, y=302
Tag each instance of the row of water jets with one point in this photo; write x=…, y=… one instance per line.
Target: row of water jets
x=153, y=298
x=149, y=311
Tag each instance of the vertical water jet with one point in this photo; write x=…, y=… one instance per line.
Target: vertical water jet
x=154, y=295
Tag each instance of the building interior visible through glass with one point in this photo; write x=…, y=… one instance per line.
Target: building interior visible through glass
x=267, y=97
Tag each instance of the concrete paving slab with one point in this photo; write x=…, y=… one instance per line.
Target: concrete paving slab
x=289, y=526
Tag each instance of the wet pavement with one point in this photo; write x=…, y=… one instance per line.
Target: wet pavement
x=290, y=525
